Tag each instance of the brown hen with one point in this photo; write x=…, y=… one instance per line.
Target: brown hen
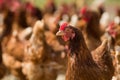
x=37, y=65
x=81, y=65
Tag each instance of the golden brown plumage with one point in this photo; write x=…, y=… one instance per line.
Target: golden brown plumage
x=13, y=51
x=37, y=64
x=102, y=56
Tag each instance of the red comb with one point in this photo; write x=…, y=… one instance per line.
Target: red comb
x=63, y=26
x=83, y=10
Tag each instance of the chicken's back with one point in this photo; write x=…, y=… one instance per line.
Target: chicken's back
x=103, y=58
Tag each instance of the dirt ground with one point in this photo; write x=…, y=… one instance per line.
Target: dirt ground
x=11, y=77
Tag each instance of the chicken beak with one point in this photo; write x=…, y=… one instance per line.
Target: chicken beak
x=59, y=33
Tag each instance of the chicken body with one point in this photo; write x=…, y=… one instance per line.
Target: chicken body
x=13, y=56
x=90, y=28
x=36, y=65
x=81, y=64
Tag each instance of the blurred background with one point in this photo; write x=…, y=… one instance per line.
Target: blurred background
x=29, y=48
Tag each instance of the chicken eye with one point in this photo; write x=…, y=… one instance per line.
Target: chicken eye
x=68, y=30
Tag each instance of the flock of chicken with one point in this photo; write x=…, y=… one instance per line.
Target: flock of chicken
x=36, y=53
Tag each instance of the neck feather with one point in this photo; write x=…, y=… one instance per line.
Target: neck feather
x=78, y=47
